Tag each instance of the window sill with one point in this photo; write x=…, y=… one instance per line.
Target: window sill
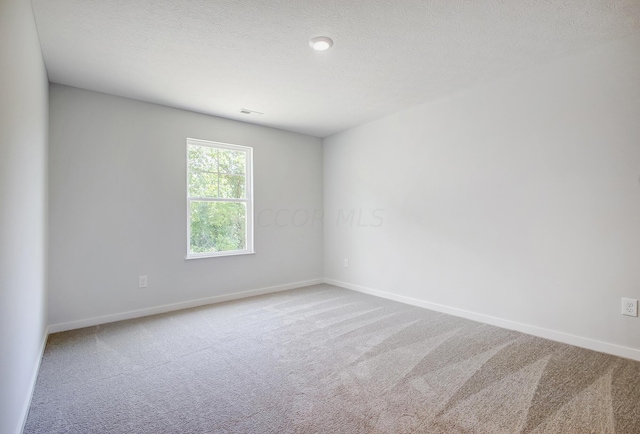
x=219, y=255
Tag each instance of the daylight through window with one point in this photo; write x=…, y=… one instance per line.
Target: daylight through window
x=219, y=199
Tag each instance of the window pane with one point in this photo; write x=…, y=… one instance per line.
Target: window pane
x=203, y=184
x=217, y=226
x=233, y=162
x=232, y=187
x=203, y=158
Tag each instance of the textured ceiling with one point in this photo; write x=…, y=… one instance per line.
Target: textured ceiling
x=218, y=56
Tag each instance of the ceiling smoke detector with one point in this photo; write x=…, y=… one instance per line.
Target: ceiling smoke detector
x=321, y=43
x=250, y=112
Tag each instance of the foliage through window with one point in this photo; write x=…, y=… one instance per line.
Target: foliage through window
x=219, y=199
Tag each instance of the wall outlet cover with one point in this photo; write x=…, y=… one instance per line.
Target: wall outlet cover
x=630, y=306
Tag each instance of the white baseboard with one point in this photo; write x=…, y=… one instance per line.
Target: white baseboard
x=61, y=327
x=34, y=378
x=566, y=338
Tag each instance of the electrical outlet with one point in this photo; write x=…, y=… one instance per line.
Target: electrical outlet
x=346, y=263
x=142, y=281
x=629, y=307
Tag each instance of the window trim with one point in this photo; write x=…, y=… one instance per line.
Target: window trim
x=249, y=250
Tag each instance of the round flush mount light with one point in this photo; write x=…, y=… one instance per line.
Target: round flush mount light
x=321, y=43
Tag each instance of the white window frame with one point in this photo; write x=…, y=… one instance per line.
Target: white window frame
x=248, y=200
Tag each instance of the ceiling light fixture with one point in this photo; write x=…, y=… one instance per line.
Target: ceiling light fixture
x=321, y=43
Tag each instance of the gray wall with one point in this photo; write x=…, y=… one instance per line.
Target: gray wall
x=23, y=209
x=517, y=200
x=118, y=207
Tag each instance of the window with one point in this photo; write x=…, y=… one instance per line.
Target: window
x=219, y=199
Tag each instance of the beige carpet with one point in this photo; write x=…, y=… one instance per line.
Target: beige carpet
x=325, y=360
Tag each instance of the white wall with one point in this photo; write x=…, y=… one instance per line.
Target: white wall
x=23, y=205
x=518, y=199
x=118, y=207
